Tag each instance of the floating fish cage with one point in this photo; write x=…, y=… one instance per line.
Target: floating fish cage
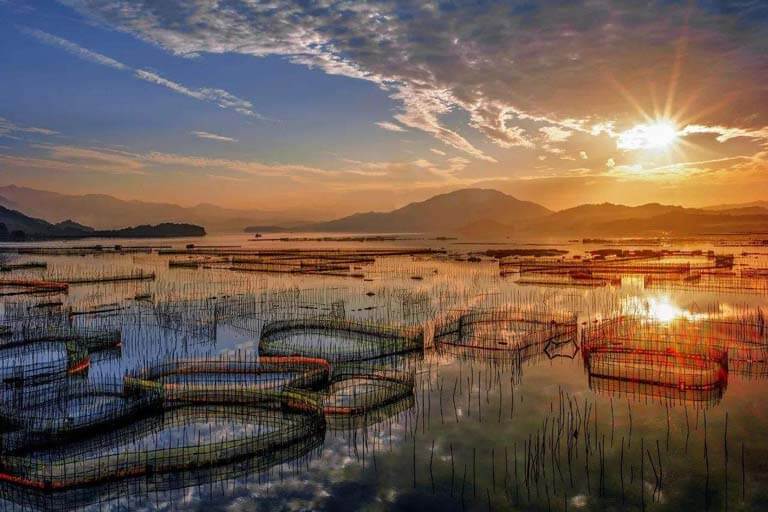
x=675, y=360
x=30, y=265
x=11, y=287
x=89, y=340
x=137, y=275
x=192, y=445
x=715, y=283
x=668, y=377
x=43, y=415
x=743, y=339
x=504, y=335
x=372, y=416
x=337, y=340
x=234, y=380
x=567, y=281
x=595, y=266
x=356, y=392
x=42, y=361
x=651, y=391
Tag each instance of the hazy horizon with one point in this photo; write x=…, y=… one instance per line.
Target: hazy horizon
x=396, y=205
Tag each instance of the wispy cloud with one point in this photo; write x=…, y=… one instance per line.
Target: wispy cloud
x=510, y=76
x=220, y=97
x=555, y=133
x=213, y=136
x=64, y=158
x=392, y=127
x=9, y=129
x=725, y=133
x=74, y=49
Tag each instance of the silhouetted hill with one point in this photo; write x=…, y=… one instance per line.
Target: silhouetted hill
x=588, y=217
x=441, y=214
x=739, y=206
x=648, y=219
x=486, y=214
x=164, y=230
x=15, y=225
x=688, y=222
x=17, y=221
x=107, y=212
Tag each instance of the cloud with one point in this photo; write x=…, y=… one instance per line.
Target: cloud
x=437, y=151
x=62, y=158
x=583, y=155
x=74, y=49
x=213, y=136
x=356, y=174
x=512, y=69
x=220, y=97
x=9, y=129
x=724, y=133
x=555, y=133
x=392, y=127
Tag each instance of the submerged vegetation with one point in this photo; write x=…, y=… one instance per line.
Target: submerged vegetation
x=136, y=375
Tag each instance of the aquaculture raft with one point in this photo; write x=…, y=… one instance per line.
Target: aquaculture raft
x=337, y=341
x=358, y=392
x=278, y=433
x=232, y=380
x=47, y=415
x=503, y=334
x=655, y=358
x=20, y=365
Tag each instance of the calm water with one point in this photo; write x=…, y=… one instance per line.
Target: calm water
x=537, y=433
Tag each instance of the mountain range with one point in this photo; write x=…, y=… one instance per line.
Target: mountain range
x=471, y=213
x=484, y=213
x=16, y=226
x=106, y=212
x=441, y=213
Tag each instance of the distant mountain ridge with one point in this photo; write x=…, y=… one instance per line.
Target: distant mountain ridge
x=486, y=213
x=442, y=213
x=17, y=226
x=106, y=212
x=739, y=206
x=471, y=213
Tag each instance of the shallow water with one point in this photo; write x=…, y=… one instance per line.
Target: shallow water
x=480, y=433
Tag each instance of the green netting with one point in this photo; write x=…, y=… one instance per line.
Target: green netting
x=57, y=414
x=503, y=335
x=337, y=340
x=268, y=437
x=232, y=380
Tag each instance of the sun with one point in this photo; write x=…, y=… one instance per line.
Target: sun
x=659, y=134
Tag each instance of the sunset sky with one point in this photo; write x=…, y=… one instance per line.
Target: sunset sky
x=345, y=106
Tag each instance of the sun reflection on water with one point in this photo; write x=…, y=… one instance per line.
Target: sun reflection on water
x=659, y=308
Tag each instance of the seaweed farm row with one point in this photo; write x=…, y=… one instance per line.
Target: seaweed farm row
x=379, y=377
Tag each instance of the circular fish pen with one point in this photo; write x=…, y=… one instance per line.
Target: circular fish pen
x=41, y=361
x=337, y=341
x=503, y=336
x=646, y=358
x=52, y=415
x=231, y=380
x=366, y=396
x=191, y=446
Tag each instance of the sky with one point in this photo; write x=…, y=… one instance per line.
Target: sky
x=347, y=106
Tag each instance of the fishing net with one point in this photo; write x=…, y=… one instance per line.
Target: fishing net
x=337, y=340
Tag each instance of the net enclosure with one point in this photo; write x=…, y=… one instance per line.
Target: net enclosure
x=338, y=340
x=503, y=334
x=232, y=379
